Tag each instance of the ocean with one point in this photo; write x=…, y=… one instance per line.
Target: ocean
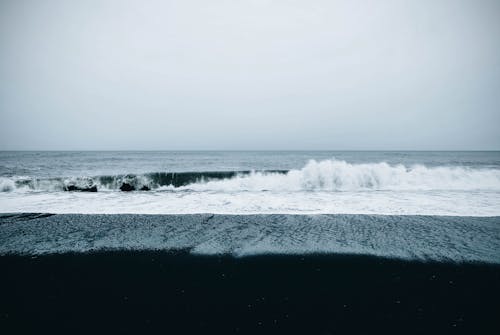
x=264, y=182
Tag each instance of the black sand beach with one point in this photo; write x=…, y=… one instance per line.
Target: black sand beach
x=176, y=293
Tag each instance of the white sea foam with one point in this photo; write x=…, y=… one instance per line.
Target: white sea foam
x=462, y=203
x=326, y=187
x=7, y=185
x=333, y=175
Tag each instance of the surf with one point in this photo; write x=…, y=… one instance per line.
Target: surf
x=326, y=175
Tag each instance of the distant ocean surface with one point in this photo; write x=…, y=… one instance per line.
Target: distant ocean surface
x=264, y=182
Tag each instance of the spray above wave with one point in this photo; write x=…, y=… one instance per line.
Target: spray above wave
x=327, y=175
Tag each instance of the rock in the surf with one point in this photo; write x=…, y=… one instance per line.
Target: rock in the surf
x=81, y=189
x=126, y=187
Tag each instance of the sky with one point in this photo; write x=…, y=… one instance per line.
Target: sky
x=249, y=75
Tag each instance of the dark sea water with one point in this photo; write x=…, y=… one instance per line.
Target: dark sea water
x=84, y=163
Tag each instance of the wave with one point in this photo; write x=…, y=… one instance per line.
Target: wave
x=7, y=185
x=147, y=181
x=327, y=175
x=333, y=175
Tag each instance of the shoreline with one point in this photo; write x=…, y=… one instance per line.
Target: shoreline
x=408, y=237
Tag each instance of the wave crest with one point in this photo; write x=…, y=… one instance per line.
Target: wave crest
x=326, y=175
x=334, y=175
x=7, y=185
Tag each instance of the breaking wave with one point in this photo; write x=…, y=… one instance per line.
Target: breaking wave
x=7, y=185
x=327, y=175
x=333, y=175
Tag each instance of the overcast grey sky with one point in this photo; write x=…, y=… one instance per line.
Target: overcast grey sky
x=256, y=74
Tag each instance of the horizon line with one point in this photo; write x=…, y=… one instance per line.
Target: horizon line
x=246, y=150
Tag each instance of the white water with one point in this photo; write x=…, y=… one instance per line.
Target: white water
x=333, y=175
x=328, y=186
x=381, y=202
x=326, y=175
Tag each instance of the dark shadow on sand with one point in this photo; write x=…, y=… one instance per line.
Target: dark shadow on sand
x=175, y=293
